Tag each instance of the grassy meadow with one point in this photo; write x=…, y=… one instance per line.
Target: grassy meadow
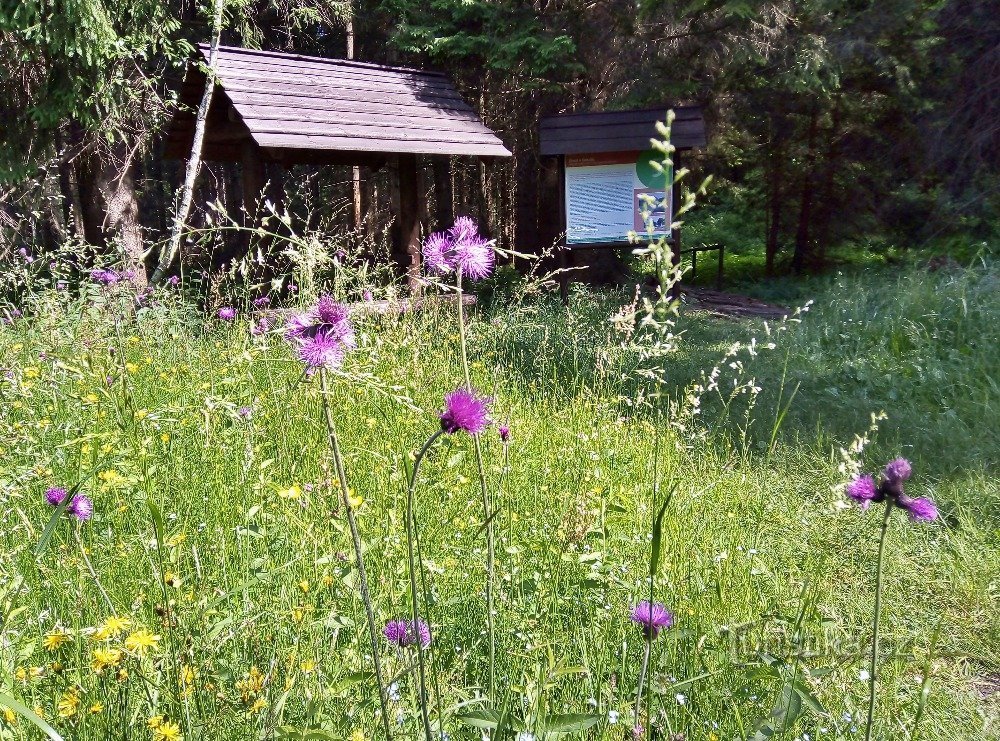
x=214, y=594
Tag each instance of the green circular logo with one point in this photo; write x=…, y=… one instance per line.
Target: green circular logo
x=645, y=171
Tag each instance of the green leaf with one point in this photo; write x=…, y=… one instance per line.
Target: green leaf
x=29, y=715
x=155, y=513
x=656, y=547
x=485, y=719
x=568, y=723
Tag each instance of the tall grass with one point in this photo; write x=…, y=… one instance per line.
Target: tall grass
x=255, y=598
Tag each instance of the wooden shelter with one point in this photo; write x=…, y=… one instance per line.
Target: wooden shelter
x=270, y=107
x=602, y=161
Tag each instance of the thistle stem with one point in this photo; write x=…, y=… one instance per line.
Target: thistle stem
x=642, y=679
x=415, y=611
x=487, y=504
x=875, y=620
x=338, y=462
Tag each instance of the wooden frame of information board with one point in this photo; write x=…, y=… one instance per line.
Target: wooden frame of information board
x=614, y=138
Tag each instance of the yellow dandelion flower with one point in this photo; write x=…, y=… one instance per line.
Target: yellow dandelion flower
x=357, y=735
x=304, y=586
x=258, y=705
x=140, y=642
x=68, y=704
x=9, y=718
x=251, y=685
x=168, y=731
x=21, y=674
x=175, y=540
x=96, y=708
x=155, y=722
x=171, y=579
x=122, y=674
x=308, y=666
x=111, y=627
x=104, y=658
x=327, y=580
x=54, y=639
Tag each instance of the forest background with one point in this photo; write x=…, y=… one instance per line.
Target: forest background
x=832, y=123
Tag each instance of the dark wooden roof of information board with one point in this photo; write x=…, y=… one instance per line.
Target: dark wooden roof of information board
x=618, y=131
x=318, y=110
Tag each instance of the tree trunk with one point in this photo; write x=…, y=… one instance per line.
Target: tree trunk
x=110, y=210
x=825, y=213
x=776, y=170
x=803, y=246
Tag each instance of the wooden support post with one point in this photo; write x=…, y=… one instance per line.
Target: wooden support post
x=410, y=211
x=253, y=182
x=561, y=246
x=675, y=257
x=718, y=278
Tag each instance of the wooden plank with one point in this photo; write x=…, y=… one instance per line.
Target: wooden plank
x=354, y=144
x=336, y=79
x=596, y=146
x=410, y=213
x=334, y=105
x=330, y=85
x=321, y=66
x=256, y=53
x=639, y=130
x=294, y=116
x=651, y=115
x=366, y=131
x=277, y=88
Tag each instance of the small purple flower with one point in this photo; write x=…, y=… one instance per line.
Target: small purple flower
x=244, y=412
x=465, y=411
x=400, y=633
x=174, y=281
x=919, y=509
x=652, y=617
x=81, y=507
x=862, y=490
x=262, y=301
x=55, y=495
x=227, y=313
x=898, y=470
x=505, y=434
x=61, y=285
x=367, y=295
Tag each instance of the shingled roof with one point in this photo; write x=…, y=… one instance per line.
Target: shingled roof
x=618, y=131
x=297, y=107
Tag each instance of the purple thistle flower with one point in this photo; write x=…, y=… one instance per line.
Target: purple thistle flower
x=898, y=470
x=464, y=229
x=174, y=280
x=81, y=507
x=465, y=411
x=919, y=509
x=474, y=258
x=262, y=301
x=367, y=295
x=505, y=434
x=227, y=313
x=438, y=253
x=321, y=351
x=260, y=326
x=323, y=334
x=244, y=412
x=652, y=617
x=400, y=633
x=55, y=495
x=107, y=277
x=862, y=490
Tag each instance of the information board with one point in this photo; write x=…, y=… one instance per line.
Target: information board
x=604, y=196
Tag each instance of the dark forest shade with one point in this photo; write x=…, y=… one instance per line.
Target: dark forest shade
x=312, y=109
x=618, y=131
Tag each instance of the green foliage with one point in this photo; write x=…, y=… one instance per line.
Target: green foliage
x=94, y=63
